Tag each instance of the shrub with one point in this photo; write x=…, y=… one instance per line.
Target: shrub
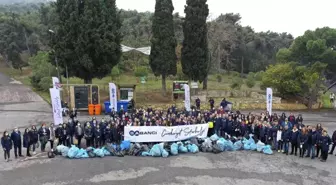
x=235, y=73
x=219, y=77
x=115, y=72
x=250, y=82
x=258, y=76
x=45, y=83
x=141, y=71
x=236, y=83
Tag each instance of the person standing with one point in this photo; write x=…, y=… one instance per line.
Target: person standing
x=303, y=141
x=44, y=136
x=6, y=143
x=325, y=142
x=98, y=136
x=333, y=139
x=79, y=133
x=16, y=138
x=52, y=136
x=88, y=134
x=34, y=138
x=212, y=103
x=198, y=103
x=332, y=98
x=27, y=141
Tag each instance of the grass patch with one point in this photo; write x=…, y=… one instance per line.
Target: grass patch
x=325, y=99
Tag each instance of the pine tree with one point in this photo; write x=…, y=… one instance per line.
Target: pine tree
x=163, y=57
x=195, y=44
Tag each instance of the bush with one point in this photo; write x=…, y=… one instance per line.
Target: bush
x=141, y=71
x=179, y=74
x=250, y=82
x=258, y=76
x=236, y=83
x=45, y=83
x=235, y=73
x=251, y=75
x=115, y=72
x=219, y=77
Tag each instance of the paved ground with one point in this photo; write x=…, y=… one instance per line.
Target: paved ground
x=232, y=168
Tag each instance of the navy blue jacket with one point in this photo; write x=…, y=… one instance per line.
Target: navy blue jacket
x=34, y=135
x=286, y=135
x=6, y=143
x=88, y=132
x=98, y=133
x=303, y=139
x=218, y=123
x=314, y=138
x=326, y=141
x=26, y=140
x=294, y=136
x=16, y=138
x=333, y=138
x=229, y=126
x=224, y=124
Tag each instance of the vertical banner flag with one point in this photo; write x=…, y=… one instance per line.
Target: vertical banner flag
x=56, y=106
x=113, y=96
x=56, y=83
x=187, y=97
x=269, y=100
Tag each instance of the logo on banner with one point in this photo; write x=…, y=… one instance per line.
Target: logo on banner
x=184, y=132
x=58, y=85
x=269, y=98
x=138, y=133
x=57, y=107
x=113, y=93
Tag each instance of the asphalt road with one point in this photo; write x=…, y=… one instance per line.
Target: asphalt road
x=229, y=168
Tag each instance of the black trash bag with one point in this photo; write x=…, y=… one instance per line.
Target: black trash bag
x=111, y=150
x=51, y=154
x=145, y=148
x=194, y=140
x=90, y=152
x=216, y=149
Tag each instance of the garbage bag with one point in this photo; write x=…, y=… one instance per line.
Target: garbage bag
x=155, y=151
x=245, y=141
x=238, y=145
x=267, y=150
x=60, y=148
x=247, y=146
x=193, y=148
x=164, y=153
x=145, y=154
x=81, y=153
x=99, y=152
x=85, y=154
x=229, y=145
x=253, y=146
x=182, y=148
x=111, y=149
x=65, y=151
x=106, y=152
x=260, y=146
x=90, y=152
x=174, y=149
x=72, y=153
x=214, y=137
x=216, y=149
x=221, y=144
x=125, y=145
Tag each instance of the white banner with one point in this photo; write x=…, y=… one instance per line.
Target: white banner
x=187, y=97
x=269, y=100
x=113, y=96
x=56, y=83
x=56, y=106
x=143, y=134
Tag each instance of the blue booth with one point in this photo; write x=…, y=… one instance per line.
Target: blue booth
x=120, y=104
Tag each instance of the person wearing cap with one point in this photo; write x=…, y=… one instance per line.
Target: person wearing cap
x=44, y=134
x=16, y=138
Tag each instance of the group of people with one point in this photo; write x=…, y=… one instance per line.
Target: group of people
x=281, y=132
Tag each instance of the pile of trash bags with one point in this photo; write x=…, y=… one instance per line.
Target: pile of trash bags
x=213, y=144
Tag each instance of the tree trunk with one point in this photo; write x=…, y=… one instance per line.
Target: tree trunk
x=164, y=88
x=205, y=83
x=27, y=44
x=242, y=67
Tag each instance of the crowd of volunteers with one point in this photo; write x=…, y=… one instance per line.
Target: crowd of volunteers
x=285, y=133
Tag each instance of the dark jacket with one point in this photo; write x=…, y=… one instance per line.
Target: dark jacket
x=62, y=133
x=98, y=133
x=229, y=126
x=6, y=143
x=77, y=134
x=16, y=138
x=44, y=134
x=218, y=123
x=34, y=136
x=333, y=138
x=303, y=139
x=115, y=134
x=286, y=135
x=326, y=141
x=88, y=132
x=294, y=136
x=107, y=134
x=26, y=139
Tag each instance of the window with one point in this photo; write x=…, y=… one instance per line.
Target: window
x=123, y=94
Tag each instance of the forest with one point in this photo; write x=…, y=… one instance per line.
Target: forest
x=85, y=38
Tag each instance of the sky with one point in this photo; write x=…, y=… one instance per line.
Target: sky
x=291, y=16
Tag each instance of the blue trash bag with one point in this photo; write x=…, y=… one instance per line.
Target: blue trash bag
x=145, y=154
x=238, y=145
x=125, y=145
x=106, y=152
x=221, y=142
x=65, y=151
x=174, y=149
x=229, y=145
x=247, y=146
x=253, y=146
x=99, y=152
x=81, y=153
x=260, y=146
x=73, y=151
x=84, y=154
x=251, y=140
x=164, y=153
x=245, y=141
x=182, y=148
x=214, y=137
x=193, y=148
x=114, y=146
x=60, y=148
x=155, y=151
x=267, y=150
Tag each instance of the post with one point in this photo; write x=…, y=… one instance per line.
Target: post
x=67, y=76
x=57, y=68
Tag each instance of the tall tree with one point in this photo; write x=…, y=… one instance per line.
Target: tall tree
x=195, y=44
x=163, y=56
x=88, y=37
